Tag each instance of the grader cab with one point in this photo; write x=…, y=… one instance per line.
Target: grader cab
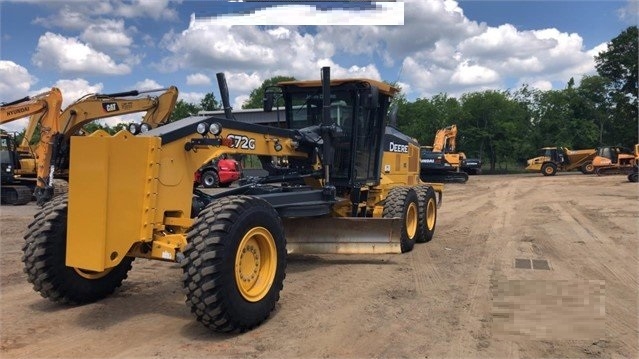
x=356, y=190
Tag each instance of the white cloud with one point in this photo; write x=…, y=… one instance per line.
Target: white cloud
x=147, y=84
x=73, y=89
x=472, y=75
x=238, y=101
x=68, y=55
x=198, y=79
x=191, y=97
x=155, y=9
x=108, y=36
x=15, y=81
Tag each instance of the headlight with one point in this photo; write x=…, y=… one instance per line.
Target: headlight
x=133, y=128
x=201, y=128
x=215, y=128
x=145, y=127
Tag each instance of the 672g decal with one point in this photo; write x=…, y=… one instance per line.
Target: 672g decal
x=240, y=141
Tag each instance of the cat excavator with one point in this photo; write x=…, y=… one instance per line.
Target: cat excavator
x=441, y=162
x=43, y=108
x=46, y=161
x=356, y=190
x=92, y=107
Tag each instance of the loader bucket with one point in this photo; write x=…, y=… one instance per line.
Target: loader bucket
x=341, y=235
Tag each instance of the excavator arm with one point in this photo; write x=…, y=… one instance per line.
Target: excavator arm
x=47, y=103
x=51, y=151
x=445, y=139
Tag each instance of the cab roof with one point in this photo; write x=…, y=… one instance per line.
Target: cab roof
x=382, y=86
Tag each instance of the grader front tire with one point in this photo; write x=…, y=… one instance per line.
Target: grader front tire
x=44, y=254
x=234, y=264
x=402, y=202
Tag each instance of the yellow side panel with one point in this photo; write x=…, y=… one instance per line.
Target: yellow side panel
x=111, y=202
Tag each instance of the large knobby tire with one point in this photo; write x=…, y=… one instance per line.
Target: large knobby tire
x=633, y=177
x=402, y=202
x=210, y=179
x=587, y=168
x=235, y=263
x=44, y=254
x=427, y=213
x=549, y=169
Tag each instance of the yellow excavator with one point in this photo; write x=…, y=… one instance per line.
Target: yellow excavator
x=441, y=162
x=356, y=190
x=50, y=163
x=43, y=108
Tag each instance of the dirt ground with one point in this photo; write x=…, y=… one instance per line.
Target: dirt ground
x=472, y=292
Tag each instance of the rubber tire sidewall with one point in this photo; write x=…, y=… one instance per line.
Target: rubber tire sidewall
x=209, y=263
x=212, y=174
x=548, y=165
x=426, y=194
x=396, y=206
x=44, y=255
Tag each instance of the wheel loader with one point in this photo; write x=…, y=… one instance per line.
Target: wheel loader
x=356, y=190
x=553, y=159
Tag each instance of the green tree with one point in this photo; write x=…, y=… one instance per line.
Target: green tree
x=619, y=64
x=182, y=110
x=209, y=103
x=256, y=97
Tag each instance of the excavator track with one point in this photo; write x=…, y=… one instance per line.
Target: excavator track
x=16, y=195
x=613, y=170
x=451, y=177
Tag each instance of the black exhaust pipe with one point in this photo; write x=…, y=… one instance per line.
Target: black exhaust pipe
x=224, y=93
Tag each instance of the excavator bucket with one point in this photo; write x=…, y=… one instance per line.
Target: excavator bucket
x=341, y=235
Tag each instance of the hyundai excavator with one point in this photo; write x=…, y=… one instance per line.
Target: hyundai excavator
x=50, y=163
x=132, y=196
x=440, y=163
x=44, y=108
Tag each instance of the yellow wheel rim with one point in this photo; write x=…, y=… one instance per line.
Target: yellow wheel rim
x=590, y=168
x=430, y=214
x=88, y=274
x=411, y=220
x=548, y=170
x=255, y=264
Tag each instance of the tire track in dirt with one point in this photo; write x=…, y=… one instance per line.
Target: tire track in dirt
x=595, y=256
x=474, y=318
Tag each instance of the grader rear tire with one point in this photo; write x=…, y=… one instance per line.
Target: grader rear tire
x=402, y=202
x=234, y=265
x=427, y=213
x=44, y=253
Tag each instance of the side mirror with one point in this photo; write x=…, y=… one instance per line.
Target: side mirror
x=268, y=101
x=392, y=116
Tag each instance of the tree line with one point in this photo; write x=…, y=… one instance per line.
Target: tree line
x=507, y=127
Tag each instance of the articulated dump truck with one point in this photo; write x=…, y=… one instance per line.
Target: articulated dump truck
x=553, y=159
x=355, y=189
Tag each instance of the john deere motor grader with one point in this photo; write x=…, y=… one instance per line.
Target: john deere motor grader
x=133, y=196
x=45, y=108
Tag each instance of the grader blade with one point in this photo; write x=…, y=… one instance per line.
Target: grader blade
x=343, y=235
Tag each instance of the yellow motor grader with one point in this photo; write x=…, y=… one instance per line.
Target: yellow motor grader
x=356, y=189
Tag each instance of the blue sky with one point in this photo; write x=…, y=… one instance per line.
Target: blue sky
x=86, y=46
